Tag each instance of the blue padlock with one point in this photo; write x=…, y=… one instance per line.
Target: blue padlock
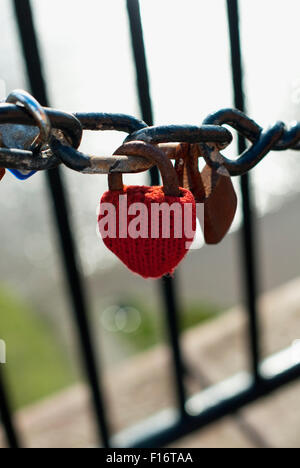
x=22, y=175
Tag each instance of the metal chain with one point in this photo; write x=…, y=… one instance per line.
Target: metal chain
x=67, y=129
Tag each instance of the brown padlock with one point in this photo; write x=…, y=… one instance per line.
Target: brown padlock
x=213, y=187
x=2, y=173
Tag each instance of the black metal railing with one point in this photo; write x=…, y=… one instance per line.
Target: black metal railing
x=248, y=234
x=184, y=421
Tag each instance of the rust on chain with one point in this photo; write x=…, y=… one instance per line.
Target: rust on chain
x=211, y=137
x=129, y=164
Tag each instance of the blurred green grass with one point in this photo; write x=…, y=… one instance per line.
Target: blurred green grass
x=153, y=328
x=36, y=362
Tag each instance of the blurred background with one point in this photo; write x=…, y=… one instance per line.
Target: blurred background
x=88, y=66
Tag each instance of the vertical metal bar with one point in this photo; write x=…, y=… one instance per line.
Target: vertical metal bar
x=138, y=46
x=6, y=417
x=171, y=304
x=167, y=283
x=68, y=248
x=248, y=211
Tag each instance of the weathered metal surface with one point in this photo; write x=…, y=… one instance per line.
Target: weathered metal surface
x=67, y=123
x=103, y=121
x=66, y=133
x=182, y=133
x=250, y=157
x=18, y=136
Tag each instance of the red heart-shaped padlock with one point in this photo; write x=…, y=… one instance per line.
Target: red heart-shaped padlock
x=149, y=229
x=2, y=173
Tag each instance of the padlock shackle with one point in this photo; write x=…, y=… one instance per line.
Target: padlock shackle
x=156, y=156
x=195, y=182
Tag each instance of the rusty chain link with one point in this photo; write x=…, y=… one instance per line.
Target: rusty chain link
x=67, y=132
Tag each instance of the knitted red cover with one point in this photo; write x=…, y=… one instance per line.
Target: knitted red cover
x=149, y=257
x=2, y=173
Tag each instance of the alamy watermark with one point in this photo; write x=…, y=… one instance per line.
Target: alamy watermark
x=2, y=352
x=174, y=220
